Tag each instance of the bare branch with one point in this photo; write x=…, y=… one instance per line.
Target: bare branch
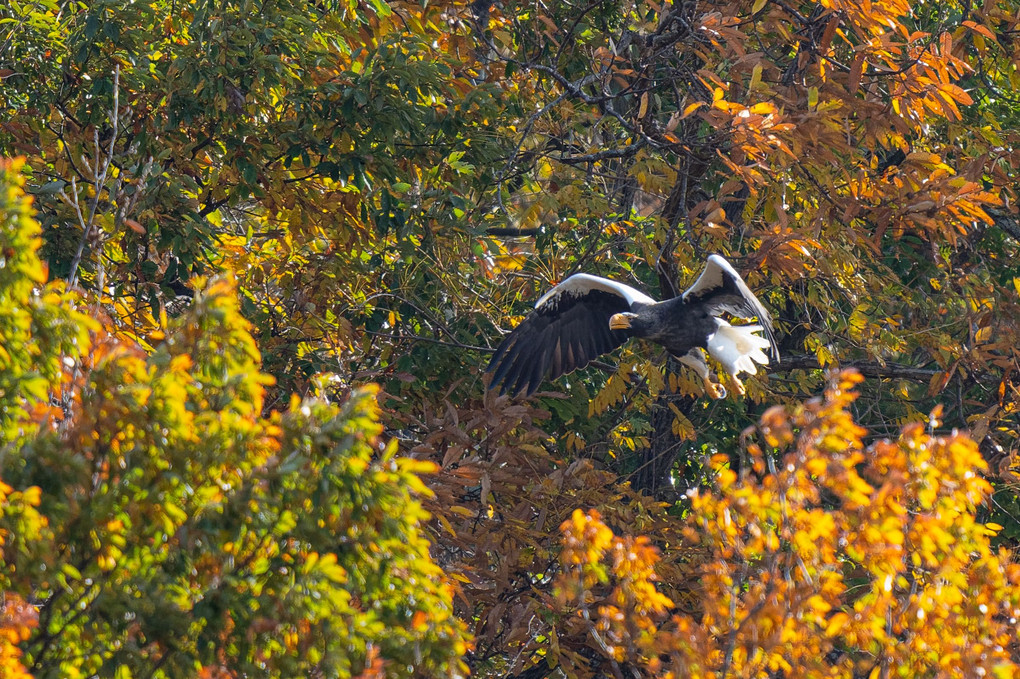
x=508, y=232
x=101, y=166
x=1007, y=222
x=872, y=369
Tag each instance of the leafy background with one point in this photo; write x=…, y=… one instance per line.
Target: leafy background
x=228, y=220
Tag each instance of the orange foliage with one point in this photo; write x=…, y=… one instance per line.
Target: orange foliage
x=17, y=620
x=17, y=617
x=826, y=558
x=628, y=620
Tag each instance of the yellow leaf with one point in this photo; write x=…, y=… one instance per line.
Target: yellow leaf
x=758, y=5
x=449, y=529
x=511, y=262
x=755, y=78
x=691, y=108
x=32, y=495
x=825, y=355
x=717, y=216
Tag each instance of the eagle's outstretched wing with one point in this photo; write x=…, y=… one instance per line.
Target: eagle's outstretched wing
x=720, y=288
x=568, y=329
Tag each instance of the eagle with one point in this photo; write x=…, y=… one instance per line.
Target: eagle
x=586, y=316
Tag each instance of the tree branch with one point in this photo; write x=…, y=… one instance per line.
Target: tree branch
x=99, y=172
x=872, y=369
x=508, y=232
x=1007, y=222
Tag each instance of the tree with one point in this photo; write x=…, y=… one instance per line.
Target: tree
x=825, y=558
x=155, y=523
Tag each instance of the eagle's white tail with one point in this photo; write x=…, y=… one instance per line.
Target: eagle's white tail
x=738, y=347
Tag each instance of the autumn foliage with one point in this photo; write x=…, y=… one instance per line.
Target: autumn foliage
x=163, y=526
x=255, y=255
x=823, y=558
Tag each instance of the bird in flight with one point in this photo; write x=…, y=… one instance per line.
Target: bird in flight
x=586, y=316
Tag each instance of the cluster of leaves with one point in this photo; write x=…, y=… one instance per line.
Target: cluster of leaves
x=281, y=141
x=824, y=558
x=824, y=141
x=154, y=523
x=504, y=554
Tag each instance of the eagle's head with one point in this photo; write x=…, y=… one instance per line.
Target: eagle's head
x=637, y=325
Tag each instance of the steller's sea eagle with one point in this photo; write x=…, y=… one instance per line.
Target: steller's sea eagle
x=586, y=316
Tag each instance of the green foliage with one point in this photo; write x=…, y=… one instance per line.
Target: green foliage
x=202, y=128
x=166, y=528
x=39, y=328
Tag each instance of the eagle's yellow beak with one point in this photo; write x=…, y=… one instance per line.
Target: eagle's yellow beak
x=619, y=321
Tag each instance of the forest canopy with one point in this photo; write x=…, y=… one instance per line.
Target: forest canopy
x=255, y=257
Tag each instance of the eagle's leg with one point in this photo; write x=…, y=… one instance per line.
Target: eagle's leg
x=695, y=360
x=738, y=386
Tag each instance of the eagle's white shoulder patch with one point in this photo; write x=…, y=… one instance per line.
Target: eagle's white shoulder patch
x=581, y=283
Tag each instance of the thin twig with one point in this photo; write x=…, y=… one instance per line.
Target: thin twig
x=99, y=172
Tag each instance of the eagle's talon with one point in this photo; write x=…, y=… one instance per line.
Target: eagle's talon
x=738, y=386
x=716, y=391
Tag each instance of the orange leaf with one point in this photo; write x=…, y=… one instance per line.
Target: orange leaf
x=980, y=28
